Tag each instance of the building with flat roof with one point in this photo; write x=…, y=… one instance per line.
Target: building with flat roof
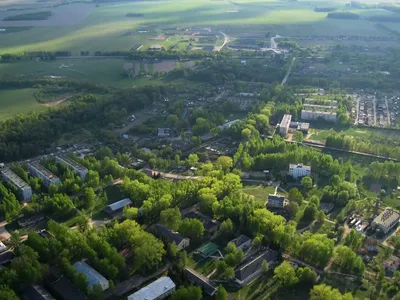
x=275, y=201
x=301, y=126
x=80, y=170
x=117, y=206
x=15, y=180
x=299, y=170
x=37, y=170
x=171, y=236
x=386, y=220
x=92, y=275
x=159, y=289
x=284, y=125
x=329, y=116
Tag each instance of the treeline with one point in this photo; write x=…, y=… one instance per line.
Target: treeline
x=343, y=15
x=325, y=9
x=37, y=16
x=134, y=15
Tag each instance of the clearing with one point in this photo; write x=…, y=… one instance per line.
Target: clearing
x=13, y=102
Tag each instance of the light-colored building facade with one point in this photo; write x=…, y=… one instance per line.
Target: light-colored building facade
x=284, y=125
x=276, y=201
x=299, y=170
x=386, y=220
x=159, y=289
x=37, y=170
x=80, y=170
x=93, y=277
x=15, y=180
x=329, y=116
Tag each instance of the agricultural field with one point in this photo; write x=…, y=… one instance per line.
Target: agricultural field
x=106, y=27
x=14, y=102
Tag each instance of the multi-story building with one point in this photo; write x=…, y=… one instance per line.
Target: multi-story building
x=276, y=201
x=159, y=289
x=329, y=116
x=284, y=125
x=386, y=220
x=16, y=181
x=80, y=170
x=299, y=170
x=37, y=170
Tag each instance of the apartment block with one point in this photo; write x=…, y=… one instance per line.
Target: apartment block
x=329, y=116
x=284, y=125
x=80, y=170
x=37, y=170
x=16, y=181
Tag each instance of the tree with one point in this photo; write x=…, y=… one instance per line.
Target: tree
x=307, y=182
x=224, y=163
x=229, y=273
x=230, y=248
x=130, y=213
x=310, y=212
x=191, y=228
x=96, y=292
x=206, y=202
x=293, y=208
x=92, y=179
x=27, y=266
x=320, y=217
x=246, y=134
x=265, y=267
x=226, y=228
x=326, y=292
x=172, y=120
x=172, y=250
x=348, y=261
x=192, y=160
x=298, y=136
x=296, y=196
x=285, y=274
x=6, y=293
x=221, y=293
x=220, y=267
x=184, y=293
x=90, y=199
x=306, y=275
x=171, y=218
x=15, y=240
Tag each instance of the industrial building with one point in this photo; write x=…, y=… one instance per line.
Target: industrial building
x=386, y=220
x=284, y=125
x=299, y=170
x=117, y=206
x=16, y=181
x=80, y=170
x=93, y=277
x=276, y=201
x=37, y=170
x=159, y=289
x=329, y=116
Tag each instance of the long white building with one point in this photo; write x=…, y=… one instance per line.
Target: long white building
x=17, y=181
x=284, y=125
x=329, y=116
x=80, y=170
x=37, y=170
x=299, y=170
x=159, y=289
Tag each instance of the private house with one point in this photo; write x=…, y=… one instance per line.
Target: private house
x=37, y=292
x=242, y=242
x=210, y=225
x=371, y=245
x=62, y=288
x=168, y=236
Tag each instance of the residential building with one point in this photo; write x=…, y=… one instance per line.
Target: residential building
x=80, y=170
x=275, y=201
x=16, y=181
x=210, y=225
x=171, y=236
x=30, y=220
x=164, y=132
x=200, y=280
x=92, y=275
x=242, y=242
x=228, y=124
x=6, y=257
x=159, y=289
x=299, y=170
x=284, y=125
x=252, y=269
x=37, y=170
x=117, y=206
x=63, y=289
x=329, y=116
x=301, y=126
x=386, y=220
x=371, y=245
x=36, y=292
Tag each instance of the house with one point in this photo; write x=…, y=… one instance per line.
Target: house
x=391, y=265
x=284, y=125
x=92, y=275
x=164, y=132
x=242, y=242
x=159, y=289
x=80, y=170
x=371, y=244
x=201, y=281
x=170, y=236
x=299, y=170
x=386, y=220
x=30, y=220
x=252, y=269
x=210, y=225
x=116, y=207
x=275, y=201
x=16, y=181
x=36, y=292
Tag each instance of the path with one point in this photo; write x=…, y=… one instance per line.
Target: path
x=288, y=71
x=56, y=103
x=226, y=41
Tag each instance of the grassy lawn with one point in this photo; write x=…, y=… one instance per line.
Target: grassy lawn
x=203, y=266
x=259, y=192
x=13, y=102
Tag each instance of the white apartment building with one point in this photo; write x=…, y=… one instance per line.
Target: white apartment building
x=284, y=125
x=299, y=170
x=329, y=116
x=16, y=181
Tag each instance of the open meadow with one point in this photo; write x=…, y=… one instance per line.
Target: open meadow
x=13, y=102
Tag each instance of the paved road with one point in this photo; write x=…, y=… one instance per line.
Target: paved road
x=288, y=71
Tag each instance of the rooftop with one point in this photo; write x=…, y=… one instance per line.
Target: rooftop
x=169, y=234
x=71, y=163
x=299, y=166
x=199, y=279
x=276, y=197
x=14, y=178
x=37, y=292
x=66, y=290
x=209, y=223
x=154, y=289
x=240, y=240
x=255, y=264
x=286, y=120
x=91, y=274
x=387, y=218
x=118, y=205
x=36, y=165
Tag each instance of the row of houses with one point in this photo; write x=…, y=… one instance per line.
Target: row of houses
x=37, y=170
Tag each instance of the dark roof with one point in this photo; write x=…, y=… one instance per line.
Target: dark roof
x=23, y=221
x=200, y=280
x=240, y=240
x=251, y=267
x=37, y=292
x=208, y=223
x=66, y=290
x=276, y=197
x=169, y=234
x=6, y=257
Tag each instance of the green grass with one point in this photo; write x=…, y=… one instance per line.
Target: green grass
x=13, y=102
x=203, y=266
x=259, y=192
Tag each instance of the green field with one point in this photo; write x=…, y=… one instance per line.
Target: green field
x=259, y=192
x=103, y=27
x=13, y=102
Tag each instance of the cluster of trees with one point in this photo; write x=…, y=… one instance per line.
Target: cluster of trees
x=191, y=228
x=343, y=15
x=9, y=206
x=339, y=191
x=40, y=15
